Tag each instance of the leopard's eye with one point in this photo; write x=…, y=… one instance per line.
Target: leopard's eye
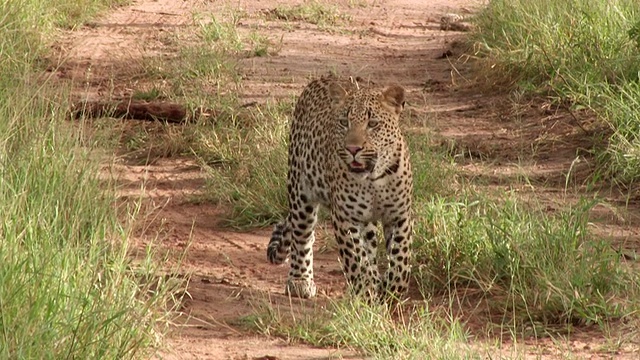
x=373, y=123
x=344, y=122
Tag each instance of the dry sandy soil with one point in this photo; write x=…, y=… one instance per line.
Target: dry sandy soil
x=390, y=41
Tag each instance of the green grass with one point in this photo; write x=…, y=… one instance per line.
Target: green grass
x=377, y=331
x=68, y=288
x=568, y=46
x=531, y=266
x=549, y=268
x=578, y=52
x=147, y=95
x=622, y=111
x=261, y=45
x=374, y=331
x=433, y=174
x=251, y=173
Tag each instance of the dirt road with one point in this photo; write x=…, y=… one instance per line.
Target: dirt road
x=386, y=41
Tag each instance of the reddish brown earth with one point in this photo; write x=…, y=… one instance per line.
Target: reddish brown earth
x=388, y=41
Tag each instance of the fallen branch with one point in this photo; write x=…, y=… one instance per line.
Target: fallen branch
x=135, y=110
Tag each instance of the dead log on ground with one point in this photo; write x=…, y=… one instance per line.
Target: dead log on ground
x=137, y=110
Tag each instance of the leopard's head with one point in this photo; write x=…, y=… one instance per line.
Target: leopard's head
x=367, y=126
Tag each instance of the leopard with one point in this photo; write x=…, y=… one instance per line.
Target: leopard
x=347, y=153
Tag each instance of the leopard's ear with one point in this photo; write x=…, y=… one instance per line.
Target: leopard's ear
x=393, y=96
x=337, y=93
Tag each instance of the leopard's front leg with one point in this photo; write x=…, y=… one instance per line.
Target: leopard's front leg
x=399, y=236
x=356, y=246
x=303, y=215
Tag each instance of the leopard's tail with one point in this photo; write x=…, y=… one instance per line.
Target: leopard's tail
x=280, y=243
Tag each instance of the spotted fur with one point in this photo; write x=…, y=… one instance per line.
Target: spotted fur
x=346, y=152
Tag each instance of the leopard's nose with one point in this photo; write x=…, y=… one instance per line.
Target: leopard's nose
x=353, y=149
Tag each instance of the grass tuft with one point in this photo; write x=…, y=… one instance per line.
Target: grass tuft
x=251, y=175
x=375, y=331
